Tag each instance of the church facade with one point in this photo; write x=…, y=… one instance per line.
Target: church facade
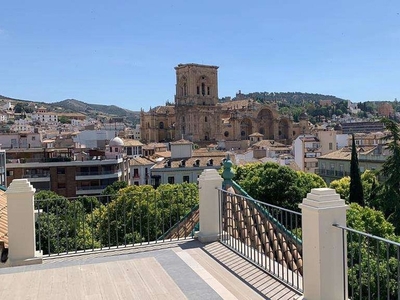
x=200, y=117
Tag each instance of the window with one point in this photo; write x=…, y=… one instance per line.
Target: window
x=161, y=125
x=129, y=151
x=205, y=119
x=226, y=133
x=186, y=178
x=198, y=90
x=33, y=138
x=171, y=179
x=203, y=89
x=60, y=170
x=330, y=146
x=208, y=90
x=61, y=185
x=10, y=173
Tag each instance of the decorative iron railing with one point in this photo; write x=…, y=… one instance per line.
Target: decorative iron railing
x=81, y=224
x=267, y=235
x=372, y=264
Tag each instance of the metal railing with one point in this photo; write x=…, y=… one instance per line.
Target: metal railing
x=372, y=264
x=90, y=173
x=267, y=235
x=95, y=223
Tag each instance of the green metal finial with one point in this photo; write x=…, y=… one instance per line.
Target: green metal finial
x=228, y=174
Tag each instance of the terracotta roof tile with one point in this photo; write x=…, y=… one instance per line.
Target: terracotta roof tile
x=131, y=142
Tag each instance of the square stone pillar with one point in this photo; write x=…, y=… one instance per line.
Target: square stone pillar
x=209, y=181
x=324, y=275
x=21, y=223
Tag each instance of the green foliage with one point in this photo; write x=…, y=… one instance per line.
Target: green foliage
x=369, y=183
x=342, y=187
x=141, y=213
x=308, y=181
x=137, y=214
x=62, y=226
x=390, y=191
x=113, y=189
x=22, y=107
x=356, y=188
x=275, y=184
x=64, y=120
x=370, y=259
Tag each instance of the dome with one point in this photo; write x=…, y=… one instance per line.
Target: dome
x=116, y=142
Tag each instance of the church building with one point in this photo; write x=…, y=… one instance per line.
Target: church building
x=200, y=117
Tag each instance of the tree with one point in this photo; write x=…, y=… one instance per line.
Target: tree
x=64, y=120
x=62, y=224
x=372, y=263
x=370, y=186
x=356, y=189
x=390, y=191
x=275, y=184
x=113, y=188
x=342, y=187
x=142, y=214
x=307, y=181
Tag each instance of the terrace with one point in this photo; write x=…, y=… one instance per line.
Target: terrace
x=243, y=248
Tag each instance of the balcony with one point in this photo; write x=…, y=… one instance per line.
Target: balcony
x=37, y=177
x=90, y=190
x=97, y=175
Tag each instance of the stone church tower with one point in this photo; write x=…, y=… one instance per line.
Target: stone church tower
x=196, y=103
x=198, y=116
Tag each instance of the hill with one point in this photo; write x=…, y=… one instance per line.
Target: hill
x=288, y=97
x=73, y=105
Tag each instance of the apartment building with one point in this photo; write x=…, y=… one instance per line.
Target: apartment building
x=336, y=165
x=308, y=147
x=363, y=127
x=68, y=172
x=21, y=140
x=185, y=164
x=140, y=170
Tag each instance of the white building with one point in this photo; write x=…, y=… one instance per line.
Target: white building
x=306, y=150
x=185, y=165
x=21, y=140
x=140, y=170
x=22, y=125
x=45, y=117
x=94, y=139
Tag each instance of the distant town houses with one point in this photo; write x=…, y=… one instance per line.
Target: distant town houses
x=75, y=154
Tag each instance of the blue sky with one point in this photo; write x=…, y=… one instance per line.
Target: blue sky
x=124, y=52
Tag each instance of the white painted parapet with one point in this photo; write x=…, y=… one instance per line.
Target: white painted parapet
x=324, y=275
x=21, y=223
x=209, y=181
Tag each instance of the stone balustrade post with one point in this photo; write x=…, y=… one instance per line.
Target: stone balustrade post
x=21, y=224
x=324, y=275
x=209, y=181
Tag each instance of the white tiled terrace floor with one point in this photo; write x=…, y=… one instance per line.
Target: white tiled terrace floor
x=174, y=270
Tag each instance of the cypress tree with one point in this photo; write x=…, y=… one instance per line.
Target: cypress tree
x=356, y=189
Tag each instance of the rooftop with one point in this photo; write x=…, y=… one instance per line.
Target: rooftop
x=175, y=270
